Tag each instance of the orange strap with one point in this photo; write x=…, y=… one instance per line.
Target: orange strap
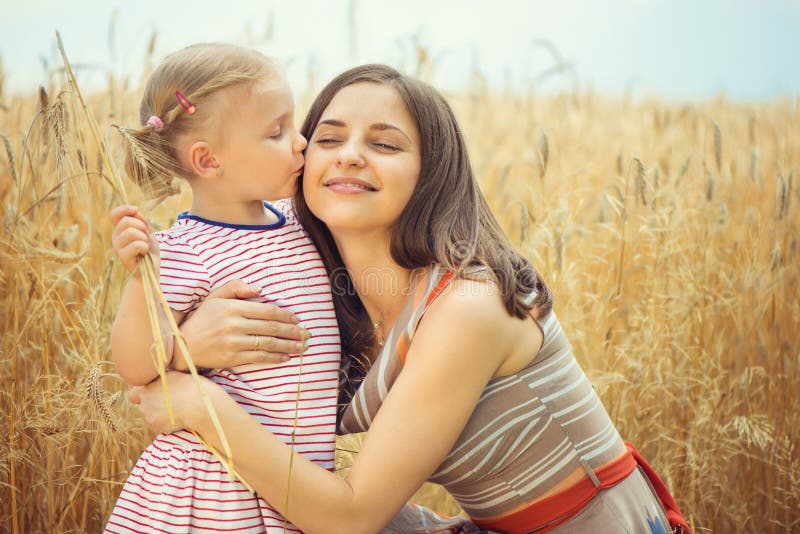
x=439, y=287
x=554, y=510
x=404, y=339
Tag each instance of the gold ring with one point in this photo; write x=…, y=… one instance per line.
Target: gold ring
x=258, y=340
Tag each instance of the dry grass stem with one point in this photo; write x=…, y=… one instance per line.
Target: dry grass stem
x=675, y=278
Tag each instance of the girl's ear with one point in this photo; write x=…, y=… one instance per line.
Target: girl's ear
x=202, y=162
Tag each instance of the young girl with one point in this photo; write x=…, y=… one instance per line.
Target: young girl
x=221, y=117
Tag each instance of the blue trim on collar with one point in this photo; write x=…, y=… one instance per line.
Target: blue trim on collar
x=280, y=222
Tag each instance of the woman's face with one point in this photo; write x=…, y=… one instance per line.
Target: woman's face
x=363, y=160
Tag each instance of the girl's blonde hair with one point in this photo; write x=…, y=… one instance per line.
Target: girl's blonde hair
x=198, y=72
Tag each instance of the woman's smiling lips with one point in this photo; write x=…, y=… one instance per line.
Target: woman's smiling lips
x=348, y=186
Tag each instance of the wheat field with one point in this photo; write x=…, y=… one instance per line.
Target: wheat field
x=667, y=231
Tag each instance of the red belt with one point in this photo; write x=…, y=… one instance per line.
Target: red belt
x=556, y=509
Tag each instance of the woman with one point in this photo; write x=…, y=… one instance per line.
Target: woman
x=471, y=381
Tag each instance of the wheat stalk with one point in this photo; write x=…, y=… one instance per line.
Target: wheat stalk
x=704, y=337
x=152, y=289
x=294, y=430
x=12, y=160
x=95, y=392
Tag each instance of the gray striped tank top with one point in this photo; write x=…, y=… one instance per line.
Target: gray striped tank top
x=529, y=430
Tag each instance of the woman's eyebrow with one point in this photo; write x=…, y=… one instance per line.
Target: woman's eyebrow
x=384, y=126
x=332, y=122
x=337, y=123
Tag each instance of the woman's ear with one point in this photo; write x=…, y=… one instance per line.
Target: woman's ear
x=202, y=161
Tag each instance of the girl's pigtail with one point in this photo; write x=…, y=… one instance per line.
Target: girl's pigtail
x=149, y=161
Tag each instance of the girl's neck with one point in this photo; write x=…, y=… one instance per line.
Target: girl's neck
x=381, y=284
x=251, y=212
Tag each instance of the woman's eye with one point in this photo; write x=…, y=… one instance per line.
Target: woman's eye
x=327, y=141
x=387, y=146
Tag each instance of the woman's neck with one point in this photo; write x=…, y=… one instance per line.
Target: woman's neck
x=381, y=284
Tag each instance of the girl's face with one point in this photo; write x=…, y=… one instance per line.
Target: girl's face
x=363, y=159
x=260, y=151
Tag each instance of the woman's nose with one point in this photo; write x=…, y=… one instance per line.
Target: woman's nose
x=350, y=155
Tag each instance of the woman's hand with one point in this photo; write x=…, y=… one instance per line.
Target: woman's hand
x=183, y=394
x=132, y=237
x=225, y=331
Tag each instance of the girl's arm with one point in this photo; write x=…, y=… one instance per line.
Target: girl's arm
x=445, y=373
x=132, y=342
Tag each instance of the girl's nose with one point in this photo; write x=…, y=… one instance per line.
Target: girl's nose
x=300, y=143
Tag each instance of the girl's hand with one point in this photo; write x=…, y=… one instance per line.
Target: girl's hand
x=225, y=331
x=132, y=237
x=184, y=396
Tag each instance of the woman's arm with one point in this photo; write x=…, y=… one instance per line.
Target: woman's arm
x=445, y=374
x=221, y=332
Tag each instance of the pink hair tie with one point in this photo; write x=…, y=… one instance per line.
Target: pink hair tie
x=156, y=123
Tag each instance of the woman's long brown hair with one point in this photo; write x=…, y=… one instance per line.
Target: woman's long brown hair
x=446, y=221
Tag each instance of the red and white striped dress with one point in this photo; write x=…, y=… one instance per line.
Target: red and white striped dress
x=178, y=485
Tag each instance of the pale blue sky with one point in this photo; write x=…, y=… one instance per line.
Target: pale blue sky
x=679, y=49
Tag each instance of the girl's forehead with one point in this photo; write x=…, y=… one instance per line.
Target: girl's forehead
x=266, y=98
x=271, y=90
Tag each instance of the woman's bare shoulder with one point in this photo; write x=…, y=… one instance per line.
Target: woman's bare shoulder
x=472, y=308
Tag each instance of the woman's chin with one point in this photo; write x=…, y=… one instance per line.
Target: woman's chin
x=349, y=218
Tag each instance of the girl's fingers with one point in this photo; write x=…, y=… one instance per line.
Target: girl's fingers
x=121, y=211
x=129, y=253
x=125, y=216
x=131, y=222
x=133, y=234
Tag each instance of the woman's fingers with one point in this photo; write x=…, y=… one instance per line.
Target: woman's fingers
x=266, y=312
x=250, y=356
x=153, y=405
x=221, y=332
x=232, y=292
x=269, y=344
x=275, y=329
x=235, y=289
x=135, y=395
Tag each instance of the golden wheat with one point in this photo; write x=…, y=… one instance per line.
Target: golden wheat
x=675, y=278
